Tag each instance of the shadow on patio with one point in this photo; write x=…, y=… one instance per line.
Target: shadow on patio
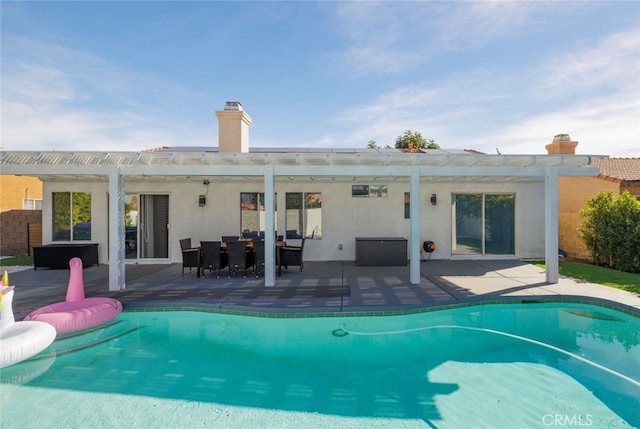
x=323, y=286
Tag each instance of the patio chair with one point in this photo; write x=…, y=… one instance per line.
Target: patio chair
x=238, y=256
x=228, y=238
x=213, y=257
x=291, y=255
x=190, y=255
x=258, y=257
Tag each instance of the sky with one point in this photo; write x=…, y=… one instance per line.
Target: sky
x=505, y=76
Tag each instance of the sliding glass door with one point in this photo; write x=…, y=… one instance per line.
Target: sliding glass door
x=483, y=224
x=146, y=226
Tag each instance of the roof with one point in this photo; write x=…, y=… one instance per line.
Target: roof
x=624, y=169
x=301, y=150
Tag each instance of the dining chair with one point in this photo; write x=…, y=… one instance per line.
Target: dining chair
x=291, y=255
x=258, y=257
x=213, y=257
x=190, y=256
x=238, y=257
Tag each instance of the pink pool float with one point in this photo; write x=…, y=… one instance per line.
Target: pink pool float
x=77, y=312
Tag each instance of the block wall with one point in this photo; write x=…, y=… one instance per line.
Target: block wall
x=572, y=194
x=14, y=231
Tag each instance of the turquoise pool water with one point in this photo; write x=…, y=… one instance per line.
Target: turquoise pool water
x=493, y=366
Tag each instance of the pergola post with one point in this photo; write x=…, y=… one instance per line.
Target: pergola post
x=116, y=230
x=414, y=242
x=551, y=225
x=270, y=227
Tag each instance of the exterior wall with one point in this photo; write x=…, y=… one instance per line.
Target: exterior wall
x=13, y=189
x=632, y=187
x=99, y=207
x=343, y=216
x=572, y=194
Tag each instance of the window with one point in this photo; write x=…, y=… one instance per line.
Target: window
x=407, y=205
x=304, y=215
x=359, y=190
x=252, y=214
x=484, y=224
x=71, y=216
x=31, y=204
x=379, y=191
x=371, y=191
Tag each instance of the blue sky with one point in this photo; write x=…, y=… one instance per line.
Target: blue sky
x=122, y=75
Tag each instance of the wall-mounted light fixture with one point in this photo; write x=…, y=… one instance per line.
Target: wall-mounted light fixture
x=202, y=199
x=434, y=199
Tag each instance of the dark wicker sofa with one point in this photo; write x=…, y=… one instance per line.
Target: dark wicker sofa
x=58, y=255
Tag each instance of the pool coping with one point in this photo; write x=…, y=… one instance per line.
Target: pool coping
x=235, y=309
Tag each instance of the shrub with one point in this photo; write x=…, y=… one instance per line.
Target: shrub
x=611, y=230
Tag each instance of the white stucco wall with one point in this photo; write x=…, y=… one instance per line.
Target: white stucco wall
x=343, y=216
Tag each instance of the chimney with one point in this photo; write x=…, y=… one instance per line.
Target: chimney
x=233, y=128
x=561, y=145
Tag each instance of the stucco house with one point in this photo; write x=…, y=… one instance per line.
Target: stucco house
x=615, y=175
x=138, y=205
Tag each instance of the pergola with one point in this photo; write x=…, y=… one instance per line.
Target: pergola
x=272, y=165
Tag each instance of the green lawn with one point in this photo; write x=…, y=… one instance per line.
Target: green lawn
x=16, y=260
x=601, y=275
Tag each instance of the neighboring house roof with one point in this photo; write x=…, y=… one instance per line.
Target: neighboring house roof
x=622, y=169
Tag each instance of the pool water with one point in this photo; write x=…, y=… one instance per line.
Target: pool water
x=498, y=365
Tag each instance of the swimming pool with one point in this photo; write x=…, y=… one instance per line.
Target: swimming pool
x=494, y=365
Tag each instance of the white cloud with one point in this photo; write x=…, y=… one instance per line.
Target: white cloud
x=435, y=109
x=604, y=126
x=38, y=83
x=592, y=93
x=598, y=93
x=612, y=63
x=392, y=37
x=58, y=98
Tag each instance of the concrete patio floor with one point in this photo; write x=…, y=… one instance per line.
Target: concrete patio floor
x=323, y=287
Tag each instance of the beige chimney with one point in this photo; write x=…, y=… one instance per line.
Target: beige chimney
x=561, y=145
x=233, y=128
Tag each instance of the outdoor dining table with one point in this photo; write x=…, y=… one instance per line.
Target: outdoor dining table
x=223, y=249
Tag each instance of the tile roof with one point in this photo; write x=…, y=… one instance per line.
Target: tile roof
x=627, y=169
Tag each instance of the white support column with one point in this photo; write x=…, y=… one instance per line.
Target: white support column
x=414, y=242
x=551, y=225
x=269, y=227
x=116, y=230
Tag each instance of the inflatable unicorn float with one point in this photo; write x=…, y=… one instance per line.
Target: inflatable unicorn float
x=77, y=312
x=19, y=340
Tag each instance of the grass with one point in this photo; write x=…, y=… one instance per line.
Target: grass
x=16, y=260
x=600, y=275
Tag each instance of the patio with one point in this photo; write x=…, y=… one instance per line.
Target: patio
x=323, y=287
